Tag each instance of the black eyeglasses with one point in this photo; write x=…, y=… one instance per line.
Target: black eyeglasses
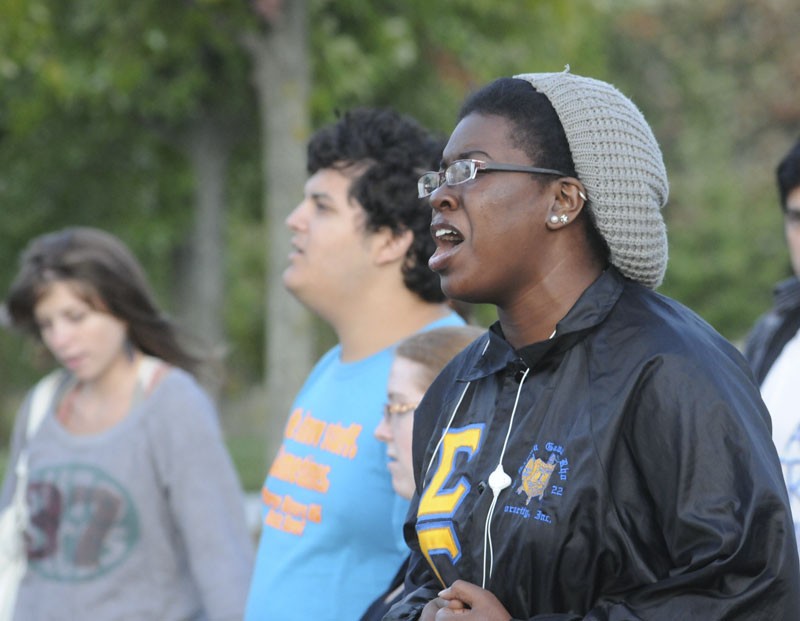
x=461, y=171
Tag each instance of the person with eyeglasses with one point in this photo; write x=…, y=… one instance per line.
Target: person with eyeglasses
x=331, y=536
x=417, y=361
x=773, y=345
x=604, y=453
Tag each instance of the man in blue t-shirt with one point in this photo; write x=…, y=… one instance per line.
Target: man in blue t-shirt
x=331, y=537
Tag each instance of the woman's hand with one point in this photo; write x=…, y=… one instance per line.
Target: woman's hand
x=466, y=602
x=432, y=608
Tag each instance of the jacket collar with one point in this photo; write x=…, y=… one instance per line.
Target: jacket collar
x=787, y=295
x=592, y=307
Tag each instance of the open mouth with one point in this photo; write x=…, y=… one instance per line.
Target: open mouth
x=448, y=238
x=448, y=235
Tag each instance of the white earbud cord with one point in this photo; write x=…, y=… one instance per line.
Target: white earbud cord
x=450, y=422
x=444, y=433
x=487, y=533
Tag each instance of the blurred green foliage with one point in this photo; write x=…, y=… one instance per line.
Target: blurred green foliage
x=96, y=97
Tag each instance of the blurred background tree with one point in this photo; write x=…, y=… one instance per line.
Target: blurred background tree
x=719, y=81
x=181, y=128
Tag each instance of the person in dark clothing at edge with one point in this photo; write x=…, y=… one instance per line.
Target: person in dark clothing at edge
x=773, y=345
x=602, y=453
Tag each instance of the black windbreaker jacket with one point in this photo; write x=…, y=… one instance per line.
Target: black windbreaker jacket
x=774, y=329
x=644, y=482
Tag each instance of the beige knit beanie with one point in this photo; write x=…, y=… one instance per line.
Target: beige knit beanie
x=619, y=162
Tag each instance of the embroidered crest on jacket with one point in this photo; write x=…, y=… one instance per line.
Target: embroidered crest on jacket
x=535, y=477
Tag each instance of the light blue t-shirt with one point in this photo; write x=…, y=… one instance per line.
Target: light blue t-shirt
x=331, y=536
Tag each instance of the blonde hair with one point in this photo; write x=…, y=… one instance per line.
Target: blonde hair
x=433, y=349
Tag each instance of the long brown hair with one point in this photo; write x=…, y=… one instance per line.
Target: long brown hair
x=107, y=276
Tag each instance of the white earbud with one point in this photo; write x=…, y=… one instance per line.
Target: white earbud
x=499, y=480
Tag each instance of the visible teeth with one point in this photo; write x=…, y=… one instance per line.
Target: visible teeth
x=443, y=232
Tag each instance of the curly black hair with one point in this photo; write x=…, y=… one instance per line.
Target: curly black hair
x=394, y=150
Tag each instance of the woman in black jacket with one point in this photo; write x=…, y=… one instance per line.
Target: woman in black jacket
x=603, y=453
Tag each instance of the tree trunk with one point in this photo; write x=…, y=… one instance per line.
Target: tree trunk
x=282, y=81
x=203, y=292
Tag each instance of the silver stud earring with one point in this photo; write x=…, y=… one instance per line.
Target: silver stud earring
x=563, y=218
x=554, y=219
